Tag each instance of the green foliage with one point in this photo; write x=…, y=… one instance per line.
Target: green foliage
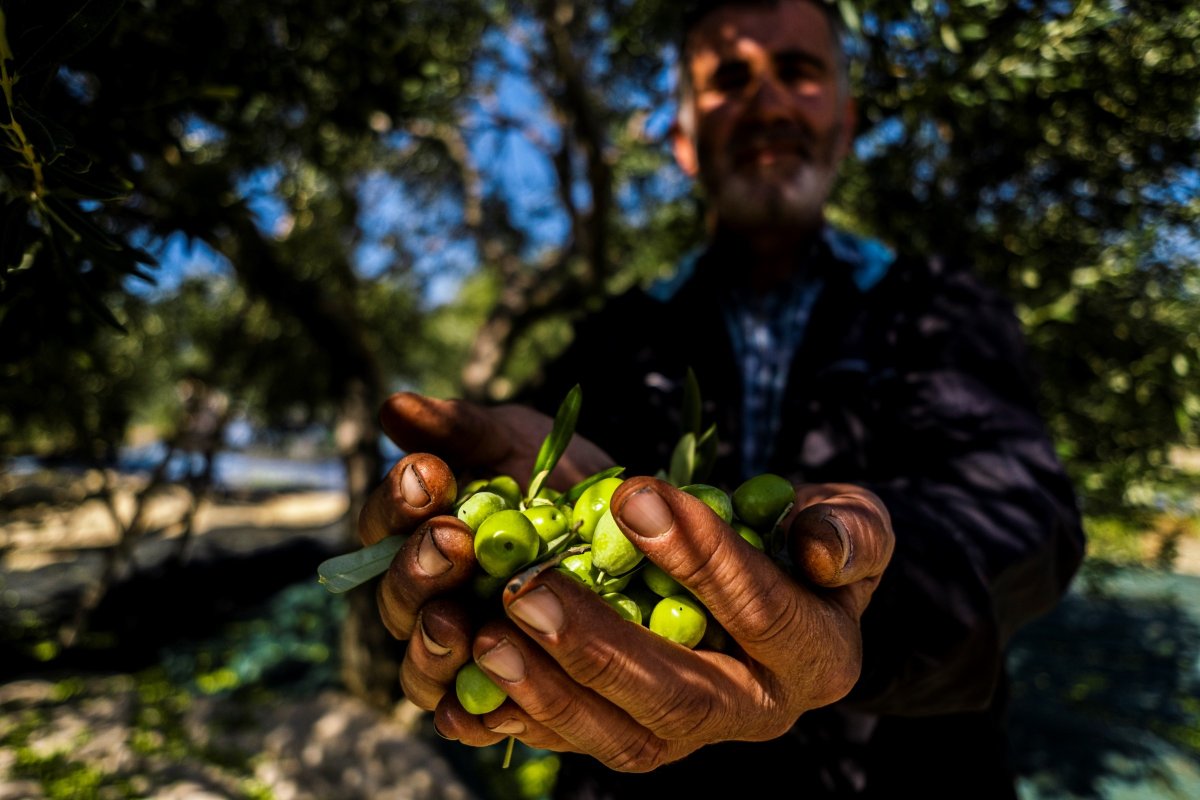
x=288, y=645
x=304, y=101
x=50, y=183
x=66, y=381
x=1056, y=147
x=1116, y=539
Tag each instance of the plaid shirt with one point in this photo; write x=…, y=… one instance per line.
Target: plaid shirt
x=766, y=330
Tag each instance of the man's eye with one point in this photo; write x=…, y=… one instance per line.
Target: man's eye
x=796, y=73
x=730, y=76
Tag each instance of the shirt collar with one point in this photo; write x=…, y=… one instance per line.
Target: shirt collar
x=868, y=259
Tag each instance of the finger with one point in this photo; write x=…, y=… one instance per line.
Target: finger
x=437, y=558
x=455, y=723
x=418, y=487
x=585, y=720
x=511, y=720
x=747, y=594
x=675, y=693
x=460, y=431
x=841, y=535
x=787, y=630
x=440, y=645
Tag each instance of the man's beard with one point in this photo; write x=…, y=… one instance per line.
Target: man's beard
x=786, y=196
x=748, y=202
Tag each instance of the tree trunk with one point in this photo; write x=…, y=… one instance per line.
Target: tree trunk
x=370, y=656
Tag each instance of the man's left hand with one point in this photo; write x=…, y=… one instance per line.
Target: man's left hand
x=580, y=678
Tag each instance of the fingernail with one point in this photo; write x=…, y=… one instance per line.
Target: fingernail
x=504, y=661
x=512, y=727
x=430, y=559
x=647, y=513
x=433, y=647
x=438, y=731
x=843, y=537
x=413, y=489
x=540, y=610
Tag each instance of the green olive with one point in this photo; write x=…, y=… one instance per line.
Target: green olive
x=761, y=500
x=506, y=486
x=579, y=567
x=550, y=522
x=646, y=600
x=477, y=692
x=749, y=534
x=611, y=549
x=612, y=583
x=505, y=542
x=714, y=498
x=659, y=582
x=468, y=490
x=486, y=586
x=679, y=618
x=592, y=504
x=546, y=493
x=627, y=608
x=479, y=506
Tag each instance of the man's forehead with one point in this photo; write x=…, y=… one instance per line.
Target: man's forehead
x=736, y=29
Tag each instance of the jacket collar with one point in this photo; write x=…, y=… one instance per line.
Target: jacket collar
x=836, y=252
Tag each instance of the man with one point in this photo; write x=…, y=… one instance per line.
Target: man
x=932, y=518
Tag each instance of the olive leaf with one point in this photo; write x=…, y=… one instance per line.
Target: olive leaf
x=573, y=494
x=850, y=16
x=342, y=573
x=683, y=461
x=555, y=444
x=776, y=538
x=706, y=453
x=535, y=486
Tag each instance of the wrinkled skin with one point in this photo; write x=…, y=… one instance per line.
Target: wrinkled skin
x=580, y=678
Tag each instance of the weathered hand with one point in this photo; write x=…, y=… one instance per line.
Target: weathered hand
x=417, y=498
x=582, y=679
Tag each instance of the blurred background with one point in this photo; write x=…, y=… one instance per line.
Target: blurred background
x=229, y=229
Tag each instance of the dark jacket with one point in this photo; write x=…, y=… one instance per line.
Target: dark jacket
x=919, y=389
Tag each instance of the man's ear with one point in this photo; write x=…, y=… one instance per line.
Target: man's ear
x=849, y=128
x=684, y=148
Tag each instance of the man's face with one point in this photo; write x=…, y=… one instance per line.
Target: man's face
x=770, y=126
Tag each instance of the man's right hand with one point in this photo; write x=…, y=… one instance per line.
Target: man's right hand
x=417, y=498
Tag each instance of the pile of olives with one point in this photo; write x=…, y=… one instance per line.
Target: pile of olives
x=512, y=533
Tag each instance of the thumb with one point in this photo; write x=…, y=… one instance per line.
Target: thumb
x=841, y=537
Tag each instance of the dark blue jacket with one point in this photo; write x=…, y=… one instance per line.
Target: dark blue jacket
x=918, y=388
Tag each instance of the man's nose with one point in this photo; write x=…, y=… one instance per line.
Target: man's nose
x=772, y=100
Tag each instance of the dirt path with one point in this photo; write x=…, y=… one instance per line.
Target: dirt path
x=110, y=736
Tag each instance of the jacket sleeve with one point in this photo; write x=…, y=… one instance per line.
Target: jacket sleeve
x=987, y=529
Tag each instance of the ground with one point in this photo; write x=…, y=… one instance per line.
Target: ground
x=1104, y=688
